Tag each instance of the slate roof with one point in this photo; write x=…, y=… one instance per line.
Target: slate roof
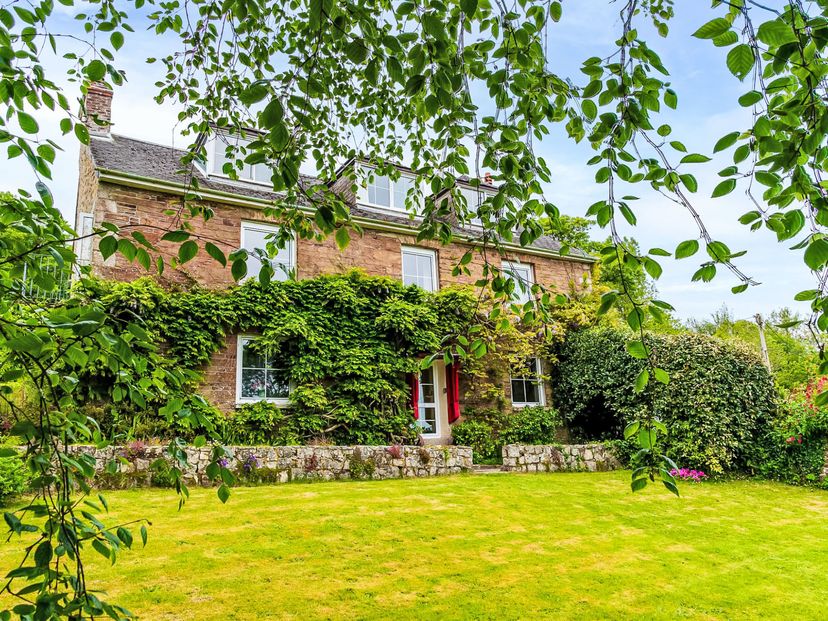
x=131, y=156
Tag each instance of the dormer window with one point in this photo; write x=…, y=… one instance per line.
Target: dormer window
x=385, y=193
x=226, y=149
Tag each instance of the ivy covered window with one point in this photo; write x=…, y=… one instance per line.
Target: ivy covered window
x=259, y=377
x=527, y=388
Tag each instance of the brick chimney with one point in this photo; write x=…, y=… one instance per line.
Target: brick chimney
x=98, y=107
x=487, y=178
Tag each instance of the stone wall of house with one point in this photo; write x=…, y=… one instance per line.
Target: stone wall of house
x=550, y=458
x=378, y=253
x=281, y=464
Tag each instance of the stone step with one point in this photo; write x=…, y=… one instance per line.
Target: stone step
x=486, y=469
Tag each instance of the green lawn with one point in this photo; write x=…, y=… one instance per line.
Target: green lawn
x=568, y=546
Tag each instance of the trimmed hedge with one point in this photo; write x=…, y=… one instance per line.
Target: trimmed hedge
x=717, y=406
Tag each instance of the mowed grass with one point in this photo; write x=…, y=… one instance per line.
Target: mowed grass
x=504, y=546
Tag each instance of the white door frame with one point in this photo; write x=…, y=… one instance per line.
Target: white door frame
x=437, y=404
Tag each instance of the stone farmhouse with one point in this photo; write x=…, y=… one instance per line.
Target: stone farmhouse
x=128, y=181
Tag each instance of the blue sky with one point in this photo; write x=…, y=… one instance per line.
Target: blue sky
x=707, y=110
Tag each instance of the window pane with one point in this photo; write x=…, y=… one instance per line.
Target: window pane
x=262, y=172
x=518, y=391
x=252, y=384
x=255, y=237
x=418, y=269
x=283, y=262
x=532, y=392
x=522, y=278
x=401, y=188
x=379, y=191
x=427, y=420
x=251, y=359
x=220, y=158
x=278, y=386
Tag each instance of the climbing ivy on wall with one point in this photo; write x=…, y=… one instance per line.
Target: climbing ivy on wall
x=346, y=342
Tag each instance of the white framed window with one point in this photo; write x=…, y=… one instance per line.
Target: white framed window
x=427, y=418
x=382, y=192
x=237, y=146
x=527, y=388
x=523, y=277
x=254, y=238
x=83, y=247
x=258, y=376
x=419, y=267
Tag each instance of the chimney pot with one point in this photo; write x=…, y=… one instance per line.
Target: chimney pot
x=487, y=178
x=98, y=109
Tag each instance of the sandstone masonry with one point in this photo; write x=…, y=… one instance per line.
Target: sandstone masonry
x=548, y=458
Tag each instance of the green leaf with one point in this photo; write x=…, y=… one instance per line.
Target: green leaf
x=750, y=98
x=254, y=93
x=555, y=11
x=175, y=236
x=216, y=253
x=661, y=375
x=96, y=70
x=187, y=251
x=27, y=123
x=713, y=28
x=640, y=384
x=273, y=114
x=239, y=269
x=694, y=158
x=117, y=40
x=357, y=51
x=82, y=133
x=816, y=254
x=343, y=238
x=632, y=429
x=726, y=141
x=470, y=7
x=108, y=246
x=775, y=33
x=689, y=182
x=43, y=554
x=638, y=484
x=670, y=98
x=223, y=492
x=725, y=187
x=687, y=249
x=636, y=349
x=653, y=268
x=740, y=60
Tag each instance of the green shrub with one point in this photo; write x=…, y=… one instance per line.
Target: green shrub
x=13, y=478
x=345, y=341
x=261, y=423
x=532, y=425
x=793, y=446
x=477, y=434
x=717, y=405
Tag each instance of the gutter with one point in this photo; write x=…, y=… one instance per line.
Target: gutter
x=229, y=198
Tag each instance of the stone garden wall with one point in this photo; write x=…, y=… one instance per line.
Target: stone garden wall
x=146, y=465
x=549, y=458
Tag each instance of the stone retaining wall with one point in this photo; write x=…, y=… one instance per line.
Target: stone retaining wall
x=280, y=464
x=549, y=458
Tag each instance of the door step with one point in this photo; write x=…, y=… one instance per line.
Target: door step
x=486, y=469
